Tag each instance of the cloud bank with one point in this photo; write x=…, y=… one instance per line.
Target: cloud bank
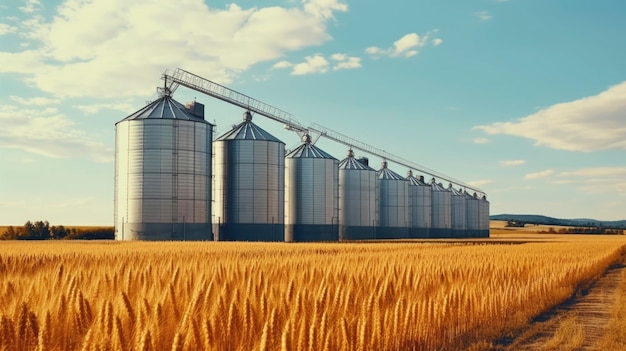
x=47, y=132
x=589, y=124
x=111, y=48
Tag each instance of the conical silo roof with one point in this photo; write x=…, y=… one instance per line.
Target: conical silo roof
x=387, y=174
x=455, y=191
x=247, y=130
x=308, y=150
x=164, y=107
x=352, y=163
x=437, y=186
x=414, y=180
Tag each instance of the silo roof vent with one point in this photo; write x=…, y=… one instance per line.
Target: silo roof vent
x=247, y=116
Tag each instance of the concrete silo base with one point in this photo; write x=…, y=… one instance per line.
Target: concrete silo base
x=440, y=233
x=164, y=231
x=311, y=232
x=356, y=233
x=249, y=232
x=419, y=233
x=472, y=233
x=392, y=233
x=459, y=233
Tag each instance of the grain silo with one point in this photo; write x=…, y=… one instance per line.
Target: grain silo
x=458, y=212
x=393, y=205
x=357, y=199
x=163, y=173
x=483, y=211
x=420, y=207
x=249, y=184
x=472, y=215
x=441, y=211
x=311, y=194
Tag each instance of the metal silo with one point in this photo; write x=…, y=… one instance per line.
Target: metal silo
x=472, y=215
x=483, y=212
x=249, y=184
x=393, y=205
x=311, y=194
x=441, y=211
x=458, y=213
x=163, y=173
x=357, y=200
x=420, y=207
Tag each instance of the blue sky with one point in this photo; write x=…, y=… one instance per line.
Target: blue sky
x=525, y=99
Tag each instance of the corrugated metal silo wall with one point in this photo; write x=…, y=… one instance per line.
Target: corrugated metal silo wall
x=311, y=199
x=472, y=216
x=393, y=210
x=484, y=217
x=442, y=217
x=249, y=190
x=162, y=180
x=420, y=209
x=358, y=215
x=458, y=214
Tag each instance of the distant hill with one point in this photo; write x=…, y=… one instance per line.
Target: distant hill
x=545, y=220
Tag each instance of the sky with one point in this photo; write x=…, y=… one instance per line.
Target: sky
x=525, y=99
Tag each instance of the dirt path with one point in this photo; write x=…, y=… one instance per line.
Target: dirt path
x=578, y=323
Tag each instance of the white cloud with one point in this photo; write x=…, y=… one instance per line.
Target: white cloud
x=313, y=64
x=541, y=174
x=483, y=15
x=283, y=64
x=513, y=189
x=346, y=62
x=30, y=6
x=25, y=62
x=119, y=48
x=7, y=29
x=49, y=133
x=617, y=172
x=35, y=101
x=597, y=180
x=480, y=140
x=404, y=47
x=126, y=107
x=480, y=183
x=324, y=8
x=512, y=163
x=319, y=64
x=589, y=124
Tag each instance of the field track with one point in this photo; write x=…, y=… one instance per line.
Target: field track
x=577, y=324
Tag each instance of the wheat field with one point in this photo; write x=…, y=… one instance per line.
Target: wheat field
x=277, y=296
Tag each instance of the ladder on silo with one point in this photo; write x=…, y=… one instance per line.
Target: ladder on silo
x=177, y=77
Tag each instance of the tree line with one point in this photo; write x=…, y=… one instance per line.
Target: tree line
x=583, y=230
x=42, y=230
